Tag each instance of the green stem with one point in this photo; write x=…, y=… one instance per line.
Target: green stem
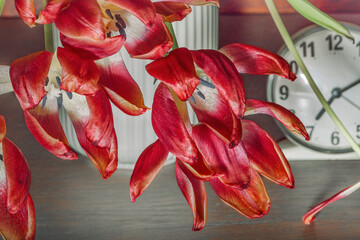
x=171, y=29
x=290, y=45
x=2, y=3
x=49, y=44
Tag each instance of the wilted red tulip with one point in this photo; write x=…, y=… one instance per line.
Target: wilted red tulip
x=43, y=82
x=222, y=148
x=17, y=213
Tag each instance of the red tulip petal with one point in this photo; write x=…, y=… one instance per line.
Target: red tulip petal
x=93, y=123
x=225, y=77
x=89, y=48
x=78, y=74
x=231, y=164
x=18, y=176
x=176, y=70
x=45, y=126
x=146, y=42
x=2, y=128
x=195, y=194
x=51, y=11
x=309, y=217
x=148, y=165
x=28, y=76
x=200, y=169
x=252, y=202
x=22, y=224
x=120, y=87
x=142, y=9
x=287, y=118
x=216, y=114
x=82, y=18
x=265, y=155
x=193, y=2
x=254, y=60
x=170, y=128
x=26, y=10
x=172, y=11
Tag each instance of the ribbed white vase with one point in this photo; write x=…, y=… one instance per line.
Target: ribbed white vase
x=199, y=30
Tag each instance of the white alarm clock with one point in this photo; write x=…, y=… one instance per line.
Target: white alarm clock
x=334, y=63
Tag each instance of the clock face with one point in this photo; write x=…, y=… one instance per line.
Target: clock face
x=334, y=63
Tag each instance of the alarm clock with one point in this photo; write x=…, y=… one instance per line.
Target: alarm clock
x=334, y=63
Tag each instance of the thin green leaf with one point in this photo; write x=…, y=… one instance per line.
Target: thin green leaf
x=2, y=3
x=315, y=15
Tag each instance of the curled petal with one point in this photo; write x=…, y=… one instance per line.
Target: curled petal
x=193, y=2
x=146, y=42
x=265, y=155
x=45, y=126
x=194, y=192
x=22, y=224
x=146, y=168
x=51, y=11
x=172, y=11
x=2, y=128
x=232, y=165
x=26, y=10
x=287, y=118
x=176, y=70
x=82, y=18
x=28, y=76
x=212, y=110
x=253, y=60
x=309, y=217
x=93, y=49
x=92, y=120
x=121, y=88
x=142, y=9
x=200, y=169
x=252, y=202
x=225, y=77
x=78, y=74
x=18, y=176
x=170, y=128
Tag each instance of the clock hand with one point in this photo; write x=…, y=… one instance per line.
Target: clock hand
x=349, y=86
x=336, y=93
x=351, y=102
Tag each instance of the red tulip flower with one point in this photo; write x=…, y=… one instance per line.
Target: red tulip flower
x=102, y=27
x=43, y=82
x=17, y=213
x=223, y=148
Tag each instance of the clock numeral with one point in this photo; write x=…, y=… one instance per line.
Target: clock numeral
x=310, y=130
x=305, y=48
x=284, y=92
x=335, y=140
x=294, y=67
x=358, y=45
x=338, y=39
x=358, y=131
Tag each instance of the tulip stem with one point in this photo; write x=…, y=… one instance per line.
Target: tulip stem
x=2, y=3
x=171, y=29
x=48, y=36
x=290, y=45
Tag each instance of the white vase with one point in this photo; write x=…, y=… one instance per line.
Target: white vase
x=199, y=30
